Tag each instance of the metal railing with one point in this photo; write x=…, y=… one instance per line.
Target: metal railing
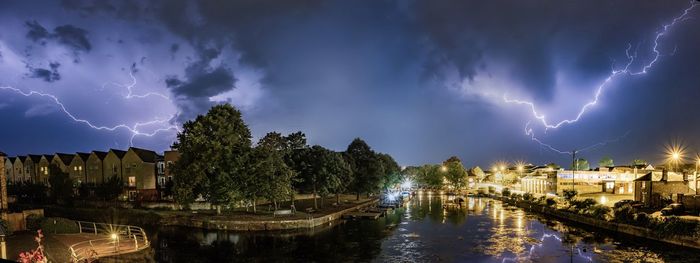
x=113, y=240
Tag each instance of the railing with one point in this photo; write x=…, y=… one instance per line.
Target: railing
x=114, y=240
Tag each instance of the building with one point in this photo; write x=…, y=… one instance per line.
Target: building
x=18, y=165
x=62, y=161
x=660, y=187
x=539, y=184
x=9, y=171
x=112, y=164
x=77, y=168
x=585, y=182
x=94, y=167
x=41, y=167
x=140, y=168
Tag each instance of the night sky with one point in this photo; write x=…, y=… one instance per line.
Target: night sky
x=420, y=80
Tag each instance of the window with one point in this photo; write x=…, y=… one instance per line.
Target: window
x=132, y=181
x=75, y=168
x=80, y=168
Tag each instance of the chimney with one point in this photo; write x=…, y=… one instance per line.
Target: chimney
x=664, y=175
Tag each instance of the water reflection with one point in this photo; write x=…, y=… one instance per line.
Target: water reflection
x=431, y=228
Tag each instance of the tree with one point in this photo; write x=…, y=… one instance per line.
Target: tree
x=478, y=173
x=324, y=172
x=61, y=185
x=366, y=167
x=553, y=166
x=214, y=149
x=269, y=178
x=429, y=175
x=392, y=171
x=606, y=162
x=455, y=173
x=582, y=165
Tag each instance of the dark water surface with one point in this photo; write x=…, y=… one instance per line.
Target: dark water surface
x=482, y=230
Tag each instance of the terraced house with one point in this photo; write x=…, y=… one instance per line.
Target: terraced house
x=9, y=171
x=140, y=170
x=77, y=168
x=112, y=164
x=18, y=166
x=95, y=168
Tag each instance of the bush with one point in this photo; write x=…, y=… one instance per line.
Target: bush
x=33, y=222
x=601, y=212
x=505, y=192
x=675, y=226
x=528, y=197
x=643, y=219
x=582, y=205
x=569, y=194
x=550, y=202
x=5, y=226
x=58, y=225
x=625, y=214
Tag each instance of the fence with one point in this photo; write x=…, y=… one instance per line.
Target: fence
x=115, y=240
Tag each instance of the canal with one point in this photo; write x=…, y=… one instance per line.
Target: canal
x=426, y=230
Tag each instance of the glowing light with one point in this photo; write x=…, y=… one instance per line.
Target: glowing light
x=443, y=168
x=113, y=236
x=675, y=152
x=614, y=74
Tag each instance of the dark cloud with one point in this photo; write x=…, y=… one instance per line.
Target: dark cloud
x=70, y=36
x=173, y=49
x=201, y=82
x=49, y=75
x=73, y=37
x=36, y=31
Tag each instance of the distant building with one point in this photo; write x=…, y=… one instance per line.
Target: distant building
x=19, y=173
x=9, y=170
x=62, y=161
x=659, y=187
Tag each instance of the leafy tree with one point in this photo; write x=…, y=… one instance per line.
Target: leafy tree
x=582, y=165
x=366, y=167
x=430, y=176
x=323, y=172
x=455, y=174
x=214, y=149
x=61, y=185
x=478, y=173
x=392, y=171
x=606, y=162
x=269, y=178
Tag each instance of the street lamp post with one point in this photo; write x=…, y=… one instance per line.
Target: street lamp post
x=573, y=170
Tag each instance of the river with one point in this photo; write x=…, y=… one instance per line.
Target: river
x=482, y=230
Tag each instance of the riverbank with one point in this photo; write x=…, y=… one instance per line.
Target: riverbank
x=233, y=220
x=603, y=224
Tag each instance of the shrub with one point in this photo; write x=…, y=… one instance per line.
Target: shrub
x=585, y=204
x=643, y=219
x=624, y=214
x=33, y=222
x=58, y=225
x=505, y=192
x=5, y=226
x=675, y=226
x=601, y=212
x=550, y=202
x=569, y=194
x=528, y=197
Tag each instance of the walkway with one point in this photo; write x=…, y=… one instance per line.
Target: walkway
x=98, y=240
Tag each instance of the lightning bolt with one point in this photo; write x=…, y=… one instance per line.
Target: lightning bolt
x=614, y=74
x=133, y=129
x=130, y=92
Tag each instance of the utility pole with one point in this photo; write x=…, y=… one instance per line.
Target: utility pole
x=573, y=170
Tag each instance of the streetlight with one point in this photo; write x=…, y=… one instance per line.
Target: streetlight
x=443, y=168
x=115, y=238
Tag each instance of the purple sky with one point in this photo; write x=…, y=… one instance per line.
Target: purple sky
x=420, y=80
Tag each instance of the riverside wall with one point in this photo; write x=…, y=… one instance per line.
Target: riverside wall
x=607, y=225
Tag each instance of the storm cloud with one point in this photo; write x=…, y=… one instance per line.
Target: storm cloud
x=422, y=80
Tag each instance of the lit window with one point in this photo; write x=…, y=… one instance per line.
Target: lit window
x=132, y=181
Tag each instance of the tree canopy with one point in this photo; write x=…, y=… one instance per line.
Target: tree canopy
x=366, y=167
x=582, y=165
x=455, y=173
x=606, y=161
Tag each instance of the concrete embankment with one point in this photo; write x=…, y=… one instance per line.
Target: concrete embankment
x=151, y=218
x=259, y=225
x=607, y=225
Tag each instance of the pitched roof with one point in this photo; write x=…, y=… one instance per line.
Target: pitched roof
x=22, y=158
x=119, y=153
x=35, y=158
x=65, y=158
x=147, y=156
x=646, y=177
x=12, y=159
x=100, y=155
x=83, y=156
x=2, y=154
